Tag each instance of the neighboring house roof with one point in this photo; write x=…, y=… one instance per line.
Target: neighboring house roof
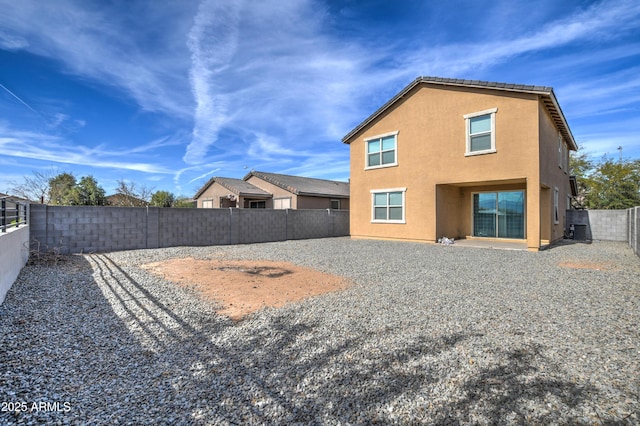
x=242, y=187
x=546, y=93
x=12, y=197
x=237, y=186
x=305, y=186
x=125, y=200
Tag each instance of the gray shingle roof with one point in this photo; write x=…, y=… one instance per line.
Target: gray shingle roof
x=237, y=186
x=545, y=92
x=303, y=185
x=242, y=187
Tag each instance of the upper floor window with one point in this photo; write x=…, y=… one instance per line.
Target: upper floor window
x=480, y=130
x=560, y=156
x=563, y=154
x=382, y=150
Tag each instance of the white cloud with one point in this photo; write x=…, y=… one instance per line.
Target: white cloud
x=55, y=149
x=96, y=44
x=12, y=42
x=601, y=20
x=212, y=41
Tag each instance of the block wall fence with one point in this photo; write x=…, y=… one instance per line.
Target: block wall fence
x=609, y=225
x=78, y=229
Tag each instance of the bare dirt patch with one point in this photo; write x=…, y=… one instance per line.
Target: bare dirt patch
x=598, y=266
x=243, y=287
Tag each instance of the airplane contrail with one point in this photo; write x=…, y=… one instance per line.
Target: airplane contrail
x=19, y=100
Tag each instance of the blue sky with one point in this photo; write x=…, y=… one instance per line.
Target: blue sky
x=168, y=94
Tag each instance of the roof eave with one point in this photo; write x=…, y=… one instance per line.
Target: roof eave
x=204, y=188
x=563, y=121
x=316, y=194
x=537, y=90
x=381, y=110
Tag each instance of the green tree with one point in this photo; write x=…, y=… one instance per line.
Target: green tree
x=162, y=199
x=184, y=202
x=89, y=193
x=581, y=166
x=62, y=190
x=613, y=185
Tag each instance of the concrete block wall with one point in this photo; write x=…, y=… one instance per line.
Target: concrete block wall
x=340, y=222
x=192, y=227
x=257, y=225
x=76, y=229
x=633, y=219
x=305, y=224
x=610, y=225
x=14, y=253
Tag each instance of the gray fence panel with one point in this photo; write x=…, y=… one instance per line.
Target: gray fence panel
x=257, y=225
x=75, y=229
x=306, y=224
x=193, y=227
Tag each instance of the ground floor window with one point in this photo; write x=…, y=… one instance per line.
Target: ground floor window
x=282, y=203
x=257, y=204
x=388, y=205
x=556, y=215
x=335, y=204
x=498, y=214
x=207, y=204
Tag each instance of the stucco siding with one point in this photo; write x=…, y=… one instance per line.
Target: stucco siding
x=275, y=190
x=431, y=147
x=213, y=193
x=554, y=174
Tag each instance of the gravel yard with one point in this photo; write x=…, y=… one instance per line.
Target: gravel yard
x=427, y=334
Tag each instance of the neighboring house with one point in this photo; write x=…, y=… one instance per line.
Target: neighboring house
x=462, y=159
x=273, y=191
x=221, y=192
x=13, y=198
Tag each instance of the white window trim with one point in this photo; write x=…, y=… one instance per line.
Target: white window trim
x=384, y=191
x=331, y=203
x=467, y=123
x=556, y=205
x=366, y=154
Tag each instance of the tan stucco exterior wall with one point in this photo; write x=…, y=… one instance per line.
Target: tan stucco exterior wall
x=214, y=192
x=432, y=166
x=274, y=189
x=552, y=175
x=306, y=202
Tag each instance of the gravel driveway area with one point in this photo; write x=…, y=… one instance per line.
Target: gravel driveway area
x=426, y=334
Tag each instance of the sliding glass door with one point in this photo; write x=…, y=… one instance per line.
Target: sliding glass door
x=498, y=214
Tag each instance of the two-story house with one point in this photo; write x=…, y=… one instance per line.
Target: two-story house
x=462, y=159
